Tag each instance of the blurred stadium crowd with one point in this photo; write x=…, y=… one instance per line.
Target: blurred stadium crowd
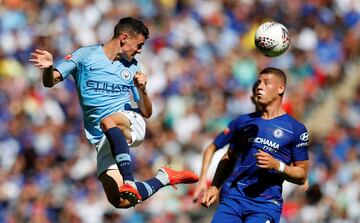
x=201, y=63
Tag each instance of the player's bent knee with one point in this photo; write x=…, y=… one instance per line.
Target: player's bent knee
x=115, y=120
x=107, y=123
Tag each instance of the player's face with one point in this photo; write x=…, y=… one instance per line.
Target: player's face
x=131, y=46
x=269, y=87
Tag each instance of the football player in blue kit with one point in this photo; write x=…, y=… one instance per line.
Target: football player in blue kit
x=105, y=76
x=267, y=147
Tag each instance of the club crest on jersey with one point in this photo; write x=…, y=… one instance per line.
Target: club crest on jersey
x=278, y=133
x=125, y=74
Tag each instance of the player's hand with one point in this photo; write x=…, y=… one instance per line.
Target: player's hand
x=140, y=80
x=199, y=189
x=41, y=58
x=266, y=161
x=210, y=196
x=305, y=186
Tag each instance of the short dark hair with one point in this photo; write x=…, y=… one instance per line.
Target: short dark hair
x=131, y=25
x=277, y=72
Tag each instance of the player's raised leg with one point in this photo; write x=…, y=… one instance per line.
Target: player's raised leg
x=165, y=176
x=117, y=130
x=113, y=156
x=112, y=180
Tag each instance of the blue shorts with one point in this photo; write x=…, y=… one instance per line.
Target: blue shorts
x=248, y=211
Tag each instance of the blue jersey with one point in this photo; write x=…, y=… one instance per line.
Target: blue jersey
x=103, y=86
x=282, y=137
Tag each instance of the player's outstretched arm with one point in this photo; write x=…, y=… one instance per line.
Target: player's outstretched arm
x=144, y=102
x=43, y=59
x=297, y=173
x=206, y=160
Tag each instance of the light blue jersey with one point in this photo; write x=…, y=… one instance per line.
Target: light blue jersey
x=103, y=86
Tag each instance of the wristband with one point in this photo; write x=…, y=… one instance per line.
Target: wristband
x=281, y=167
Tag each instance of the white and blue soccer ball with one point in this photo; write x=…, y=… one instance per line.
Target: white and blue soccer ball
x=272, y=39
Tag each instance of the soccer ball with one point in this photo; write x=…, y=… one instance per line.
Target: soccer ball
x=272, y=39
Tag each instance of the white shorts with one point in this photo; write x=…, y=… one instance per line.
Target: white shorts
x=105, y=159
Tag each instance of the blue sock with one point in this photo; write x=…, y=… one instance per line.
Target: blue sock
x=147, y=188
x=120, y=152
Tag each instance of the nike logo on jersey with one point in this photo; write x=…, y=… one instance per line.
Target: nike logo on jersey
x=247, y=129
x=95, y=68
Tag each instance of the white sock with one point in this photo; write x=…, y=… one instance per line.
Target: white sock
x=162, y=177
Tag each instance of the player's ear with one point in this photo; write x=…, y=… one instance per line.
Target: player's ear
x=123, y=39
x=281, y=89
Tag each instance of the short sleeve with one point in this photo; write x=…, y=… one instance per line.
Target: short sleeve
x=225, y=136
x=301, y=141
x=70, y=63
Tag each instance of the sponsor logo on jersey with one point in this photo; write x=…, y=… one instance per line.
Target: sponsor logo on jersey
x=278, y=133
x=125, y=74
x=67, y=57
x=304, y=136
x=108, y=87
x=302, y=144
x=265, y=142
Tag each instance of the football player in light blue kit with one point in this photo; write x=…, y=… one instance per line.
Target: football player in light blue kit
x=263, y=146
x=105, y=75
